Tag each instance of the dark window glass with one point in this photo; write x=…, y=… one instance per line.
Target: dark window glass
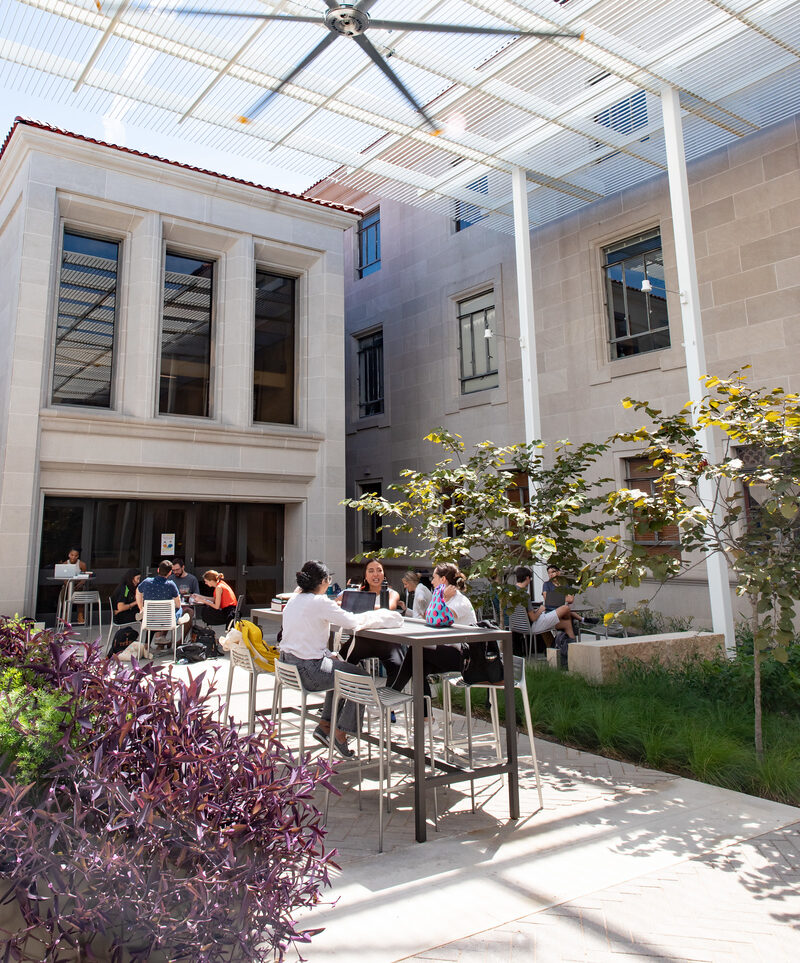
x=273, y=359
x=117, y=533
x=637, y=319
x=370, y=375
x=477, y=343
x=468, y=214
x=369, y=243
x=87, y=307
x=186, y=336
x=371, y=534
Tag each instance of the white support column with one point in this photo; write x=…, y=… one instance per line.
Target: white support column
x=717, y=568
x=527, y=329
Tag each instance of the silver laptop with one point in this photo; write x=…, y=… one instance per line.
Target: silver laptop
x=66, y=570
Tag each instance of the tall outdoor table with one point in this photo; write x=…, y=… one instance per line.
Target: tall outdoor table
x=416, y=634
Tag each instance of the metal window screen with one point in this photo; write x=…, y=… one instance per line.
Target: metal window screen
x=86, y=321
x=370, y=375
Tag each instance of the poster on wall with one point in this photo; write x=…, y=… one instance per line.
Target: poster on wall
x=168, y=543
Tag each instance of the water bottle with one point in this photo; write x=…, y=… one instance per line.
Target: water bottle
x=384, y=597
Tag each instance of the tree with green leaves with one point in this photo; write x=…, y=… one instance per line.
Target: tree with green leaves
x=752, y=516
x=494, y=509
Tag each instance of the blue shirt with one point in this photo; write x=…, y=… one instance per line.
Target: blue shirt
x=157, y=589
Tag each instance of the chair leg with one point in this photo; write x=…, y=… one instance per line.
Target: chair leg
x=228, y=694
x=303, y=712
x=494, y=712
x=529, y=727
x=381, y=753
x=251, y=704
x=277, y=707
x=468, y=707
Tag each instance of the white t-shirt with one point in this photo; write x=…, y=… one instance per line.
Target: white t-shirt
x=307, y=621
x=422, y=596
x=462, y=609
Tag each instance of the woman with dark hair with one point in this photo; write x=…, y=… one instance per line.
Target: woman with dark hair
x=307, y=621
x=445, y=657
x=126, y=608
x=389, y=653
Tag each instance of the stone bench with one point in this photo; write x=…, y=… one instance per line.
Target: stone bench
x=598, y=659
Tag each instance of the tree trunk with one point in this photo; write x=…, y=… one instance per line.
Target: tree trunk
x=759, y=733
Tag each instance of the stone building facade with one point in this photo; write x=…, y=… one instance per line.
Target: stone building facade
x=166, y=379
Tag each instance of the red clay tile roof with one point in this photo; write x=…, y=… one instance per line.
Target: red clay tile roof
x=27, y=122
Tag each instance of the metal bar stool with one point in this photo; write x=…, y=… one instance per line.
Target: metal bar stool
x=363, y=691
x=89, y=599
x=493, y=737
x=241, y=657
x=287, y=676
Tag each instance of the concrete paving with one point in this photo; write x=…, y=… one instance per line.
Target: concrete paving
x=621, y=863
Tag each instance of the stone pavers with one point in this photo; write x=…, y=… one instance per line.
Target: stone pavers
x=623, y=863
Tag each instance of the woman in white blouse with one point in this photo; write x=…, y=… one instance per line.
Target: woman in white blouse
x=307, y=621
x=445, y=657
x=422, y=594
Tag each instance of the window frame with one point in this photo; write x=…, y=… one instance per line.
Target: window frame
x=369, y=224
x=216, y=259
x=613, y=256
x=665, y=542
x=110, y=237
x=489, y=343
x=380, y=376
x=366, y=521
x=279, y=273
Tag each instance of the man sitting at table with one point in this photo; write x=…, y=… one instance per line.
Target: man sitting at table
x=187, y=586
x=541, y=620
x=159, y=588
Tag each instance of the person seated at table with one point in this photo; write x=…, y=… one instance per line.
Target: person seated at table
x=447, y=656
x=221, y=607
x=412, y=582
x=126, y=608
x=557, y=585
x=541, y=620
x=390, y=654
x=74, y=558
x=160, y=588
x=307, y=621
x=186, y=582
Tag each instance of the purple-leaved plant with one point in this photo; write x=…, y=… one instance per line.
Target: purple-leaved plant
x=160, y=832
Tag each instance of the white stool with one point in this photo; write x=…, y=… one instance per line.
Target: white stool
x=89, y=599
x=287, y=676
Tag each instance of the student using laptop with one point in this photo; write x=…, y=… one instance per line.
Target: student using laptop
x=390, y=654
x=74, y=558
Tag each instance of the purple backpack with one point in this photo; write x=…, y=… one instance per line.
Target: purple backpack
x=437, y=613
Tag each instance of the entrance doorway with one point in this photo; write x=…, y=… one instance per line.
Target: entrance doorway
x=243, y=541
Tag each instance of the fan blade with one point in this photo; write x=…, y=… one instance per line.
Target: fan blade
x=456, y=28
x=364, y=5
x=202, y=12
x=260, y=104
x=373, y=54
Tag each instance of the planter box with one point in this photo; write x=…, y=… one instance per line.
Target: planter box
x=599, y=659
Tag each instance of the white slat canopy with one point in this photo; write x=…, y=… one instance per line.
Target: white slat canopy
x=581, y=117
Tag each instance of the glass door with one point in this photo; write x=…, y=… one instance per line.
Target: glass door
x=260, y=552
x=169, y=531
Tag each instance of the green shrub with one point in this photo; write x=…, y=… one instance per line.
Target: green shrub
x=31, y=725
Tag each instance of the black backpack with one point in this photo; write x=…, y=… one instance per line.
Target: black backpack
x=123, y=638
x=203, y=635
x=481, y=661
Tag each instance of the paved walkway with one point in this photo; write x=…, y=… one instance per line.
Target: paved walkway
x=623, y=863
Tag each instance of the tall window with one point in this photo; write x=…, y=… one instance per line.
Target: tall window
x=371, y=536
x=370, y=375
x=468, y=214
x=637, y=319
x=369, y=243
x=273, y=360
x=87, y=312
x=186, y=336
x=477, y=351
x=641, y=476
